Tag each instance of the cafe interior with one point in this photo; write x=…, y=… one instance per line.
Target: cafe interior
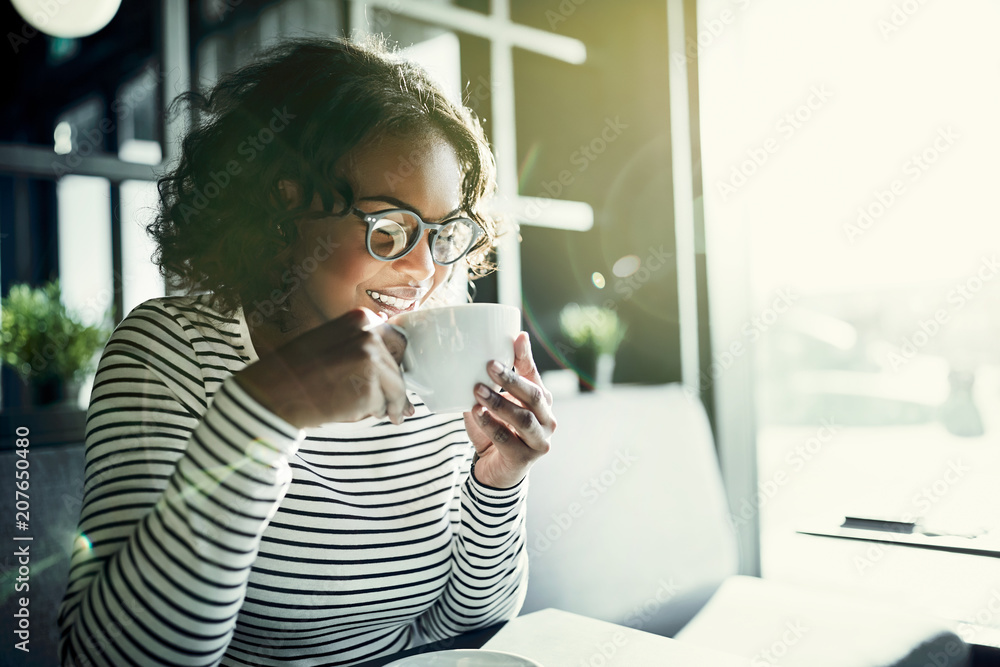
x=753, y=243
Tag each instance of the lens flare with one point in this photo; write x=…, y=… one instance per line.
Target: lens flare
x=83, y=542
x=626, y=266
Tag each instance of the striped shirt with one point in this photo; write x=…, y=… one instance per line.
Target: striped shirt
x=214, y=532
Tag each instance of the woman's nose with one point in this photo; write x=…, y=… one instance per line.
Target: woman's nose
x=418, y=263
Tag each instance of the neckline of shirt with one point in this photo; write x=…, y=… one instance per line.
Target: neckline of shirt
x=244, y=331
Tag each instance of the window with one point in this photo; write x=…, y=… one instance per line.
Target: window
x=85, y=245
x=856, y=163
x=528, y=77
x=141, y=279
x=76, y=154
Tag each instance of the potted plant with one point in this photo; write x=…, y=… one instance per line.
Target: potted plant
x=594, y=334
x=51, y=350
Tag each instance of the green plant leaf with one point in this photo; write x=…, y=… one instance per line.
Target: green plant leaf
x=592, y=328
x=42, y=339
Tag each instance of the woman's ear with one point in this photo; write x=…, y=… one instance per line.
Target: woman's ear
x=290, y=193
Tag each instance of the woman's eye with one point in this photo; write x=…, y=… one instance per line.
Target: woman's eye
x=388, y=238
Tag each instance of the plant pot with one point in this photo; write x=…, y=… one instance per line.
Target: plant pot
x=52, y=394
x=605, y=371
x=595, y=372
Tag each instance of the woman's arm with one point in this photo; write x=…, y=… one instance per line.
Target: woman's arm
x=509, y=432
x=489, y=570
x=180, y=484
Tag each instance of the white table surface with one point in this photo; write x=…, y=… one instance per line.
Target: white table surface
x=555, y=638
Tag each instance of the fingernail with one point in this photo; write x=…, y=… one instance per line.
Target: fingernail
x=482, y=391
x=496, y=367
x=410, y=409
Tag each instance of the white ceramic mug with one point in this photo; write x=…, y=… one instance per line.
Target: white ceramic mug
x=448, y=348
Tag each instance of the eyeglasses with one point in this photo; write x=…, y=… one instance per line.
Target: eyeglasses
x=394, y=233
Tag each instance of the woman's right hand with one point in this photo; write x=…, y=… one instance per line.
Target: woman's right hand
x=341, y=371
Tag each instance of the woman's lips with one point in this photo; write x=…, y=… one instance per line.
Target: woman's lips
x=391, y=309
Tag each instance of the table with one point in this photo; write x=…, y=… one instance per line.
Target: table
x=879, y=471
x=555, y=638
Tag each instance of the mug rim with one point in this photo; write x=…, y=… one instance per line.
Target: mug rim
x=457, y=306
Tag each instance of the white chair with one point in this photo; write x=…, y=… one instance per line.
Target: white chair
x=627, y=517
x=628, y=523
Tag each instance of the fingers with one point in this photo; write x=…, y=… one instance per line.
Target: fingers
x=384, y=380
x=501, y=435
x=480, y=440
x=535, y=399
x=525, y=366
x=523, y=419
x=505, y=440
x=394, y=339
x=397, y=404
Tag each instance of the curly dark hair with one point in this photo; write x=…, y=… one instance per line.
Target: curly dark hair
x=293, y=113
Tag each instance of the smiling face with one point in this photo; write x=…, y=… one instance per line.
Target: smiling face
x=421, y=175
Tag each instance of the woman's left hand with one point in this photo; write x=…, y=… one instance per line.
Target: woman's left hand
x=511, y=430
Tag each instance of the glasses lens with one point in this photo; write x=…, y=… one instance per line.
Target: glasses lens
x=454, y=240
x=393, y=233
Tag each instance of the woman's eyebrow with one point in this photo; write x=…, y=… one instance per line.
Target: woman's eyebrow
x=401, y=204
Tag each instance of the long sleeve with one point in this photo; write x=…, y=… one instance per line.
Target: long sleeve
x=183, y=472
x=489, y=570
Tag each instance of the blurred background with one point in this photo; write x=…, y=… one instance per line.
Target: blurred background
x=793, y=212
x=596, y=113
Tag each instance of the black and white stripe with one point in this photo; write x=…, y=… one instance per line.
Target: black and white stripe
x=213, y=532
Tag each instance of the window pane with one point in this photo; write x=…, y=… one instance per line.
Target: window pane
x=135, y=111
x=862, y=159
x=141, y=278
x=437, y=49
x=584, y=136
x=78, y=130
x=85, y=245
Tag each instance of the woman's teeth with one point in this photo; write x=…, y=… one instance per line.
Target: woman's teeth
x=401, y=304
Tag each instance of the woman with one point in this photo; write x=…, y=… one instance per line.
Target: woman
x=260, y=487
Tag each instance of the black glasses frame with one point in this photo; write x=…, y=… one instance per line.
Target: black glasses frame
x=372, y=218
